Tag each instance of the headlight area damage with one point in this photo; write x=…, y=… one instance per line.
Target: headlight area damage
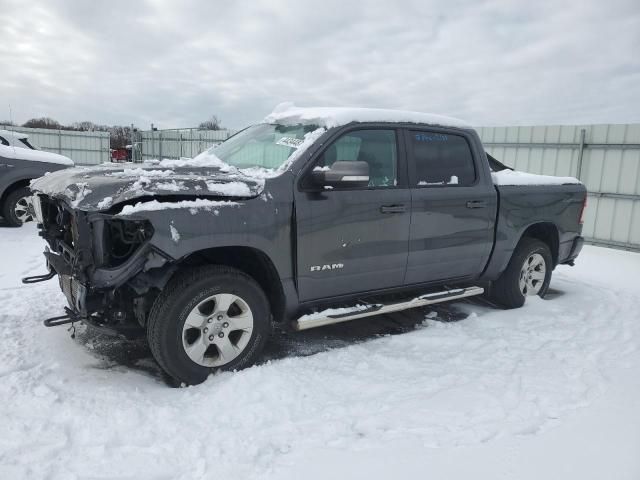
x=100, y=239
x=102, y=263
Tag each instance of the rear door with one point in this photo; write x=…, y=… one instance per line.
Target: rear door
x=453, y=206
x=352, y=240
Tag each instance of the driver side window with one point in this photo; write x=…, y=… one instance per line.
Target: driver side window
x=376, y=147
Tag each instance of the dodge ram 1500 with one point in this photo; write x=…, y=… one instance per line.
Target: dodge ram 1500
x=314, y=216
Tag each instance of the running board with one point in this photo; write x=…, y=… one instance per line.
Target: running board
x=318, y=319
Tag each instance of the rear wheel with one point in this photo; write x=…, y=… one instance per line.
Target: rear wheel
x=206, y=319
x=528, y=274
x=18, y=208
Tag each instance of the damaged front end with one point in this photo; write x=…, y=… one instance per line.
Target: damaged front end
x=110, y=262
x=107, y=268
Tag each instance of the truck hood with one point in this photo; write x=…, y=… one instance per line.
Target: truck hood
x=100, y=188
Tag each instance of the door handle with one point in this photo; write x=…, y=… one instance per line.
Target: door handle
x=476, y=204
x=393, y=208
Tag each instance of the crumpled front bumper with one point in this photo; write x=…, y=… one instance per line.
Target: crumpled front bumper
x=76, y=294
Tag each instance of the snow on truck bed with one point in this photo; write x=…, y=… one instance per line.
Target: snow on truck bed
x=552, y=387
x=513, y=177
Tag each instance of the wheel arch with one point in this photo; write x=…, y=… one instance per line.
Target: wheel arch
x=547, y=233
x=13, y=186
x=251, y=261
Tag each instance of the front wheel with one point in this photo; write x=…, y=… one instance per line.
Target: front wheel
x=528, y=274
x=208, y=318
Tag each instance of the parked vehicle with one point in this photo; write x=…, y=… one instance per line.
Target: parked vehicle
x=21, y=162
x=315, y=216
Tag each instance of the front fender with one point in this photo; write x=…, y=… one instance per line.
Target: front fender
x=260, y=223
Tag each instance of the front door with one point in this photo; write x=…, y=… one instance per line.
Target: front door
x=354, y=240
x=453, y=207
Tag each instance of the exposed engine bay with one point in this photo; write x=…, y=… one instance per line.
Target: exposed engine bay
x=102, y=263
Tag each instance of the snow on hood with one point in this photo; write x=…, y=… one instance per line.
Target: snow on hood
x=192, y=205
x=99, y=188
x=513, y=177
x=288, y=114
x=13, y=133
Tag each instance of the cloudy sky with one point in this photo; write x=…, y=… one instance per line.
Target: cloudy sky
x=175, y=63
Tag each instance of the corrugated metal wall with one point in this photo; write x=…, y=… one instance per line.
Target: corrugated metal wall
x=605, y=157
x=176, y=143
x=84, y=148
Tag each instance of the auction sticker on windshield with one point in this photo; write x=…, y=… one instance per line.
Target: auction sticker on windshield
x=290, y=142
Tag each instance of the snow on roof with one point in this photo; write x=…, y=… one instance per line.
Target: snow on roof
x=512, y=177
x=288, y=114
x=11, y=133
x=23, y=153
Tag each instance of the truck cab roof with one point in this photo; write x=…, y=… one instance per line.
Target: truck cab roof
x=289, y=114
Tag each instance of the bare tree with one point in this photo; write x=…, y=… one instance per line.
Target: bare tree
x=44, y=122
x=8, y=123
x=212, y=124
x=88, y=126
x=120, y=136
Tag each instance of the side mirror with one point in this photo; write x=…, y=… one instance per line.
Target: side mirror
x=342, y=175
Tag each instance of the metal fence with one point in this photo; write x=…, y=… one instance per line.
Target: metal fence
x=175, y=143
x=84, y=148
x=606, y=158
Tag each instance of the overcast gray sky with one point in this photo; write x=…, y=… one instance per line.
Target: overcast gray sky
x=175, y=63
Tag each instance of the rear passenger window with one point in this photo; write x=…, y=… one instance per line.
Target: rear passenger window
x=442, y=159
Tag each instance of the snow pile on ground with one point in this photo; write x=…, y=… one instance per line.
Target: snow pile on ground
x=514, y=177
x=288, y=114
x=488, y=391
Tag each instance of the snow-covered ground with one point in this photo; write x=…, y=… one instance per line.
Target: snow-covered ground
x=548, y=391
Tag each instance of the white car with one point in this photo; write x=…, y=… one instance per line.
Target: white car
x=21, y=162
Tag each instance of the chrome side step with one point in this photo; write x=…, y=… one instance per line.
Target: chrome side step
x=319, y=319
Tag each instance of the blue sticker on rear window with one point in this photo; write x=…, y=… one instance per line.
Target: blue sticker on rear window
x=430, y=137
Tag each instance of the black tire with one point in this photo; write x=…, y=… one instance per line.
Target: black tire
x=9, y=206
x=506, y=290
x=182, y=295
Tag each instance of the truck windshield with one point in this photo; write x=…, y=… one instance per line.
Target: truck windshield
x=263, y=145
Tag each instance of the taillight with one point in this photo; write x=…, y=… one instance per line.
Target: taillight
x=584, y=207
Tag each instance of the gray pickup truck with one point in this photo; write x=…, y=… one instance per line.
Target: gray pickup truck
x=313, y=217
x=21, y=162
